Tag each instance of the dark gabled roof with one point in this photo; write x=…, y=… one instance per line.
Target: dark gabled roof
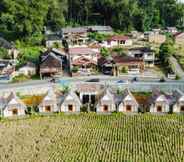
x=5, y=44
x=177, y=94
x=119, y=59
x=102, y=61
x=51, y=60
x=157, y=93
x=142, y=49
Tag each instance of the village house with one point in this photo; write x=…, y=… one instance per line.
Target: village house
x=145, y=53
x=29, y=69
x=100, y=29
x=70, y=103
x=49, y=103
x=128, y=103
x=53, y=40
x=156, y=30
x=107, y=102
x=127, y=64
x=83, y=61
x=12, y=51
x=50, y=64
x=76, y=36
x=13, y=106
x=172, y=30
x=179, y=38
x=135, y=35
x=178, y=106
x=160, y=102
x=121, y=64
x=6, y=67
x=156, y=38
x=117, y=41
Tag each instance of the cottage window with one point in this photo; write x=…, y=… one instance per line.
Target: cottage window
x=159, y=108
x=15, y=111
x=48, y=108
x=70, y=108
x=105, y=108
x=128, y=108
x=122, y=42
x=182, y=108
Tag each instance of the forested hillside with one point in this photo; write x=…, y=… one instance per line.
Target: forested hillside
x=25, y=17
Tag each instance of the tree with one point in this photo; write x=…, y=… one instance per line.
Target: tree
x=4, y=54
x=57, y=11
x=104, y=52
x=166, y=50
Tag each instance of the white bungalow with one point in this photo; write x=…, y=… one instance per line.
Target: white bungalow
x=178, y=106
x=107, y=102
x=13, y=106
x=70, y=103
x=160, y=102
x=128, y=103
x=49, y=102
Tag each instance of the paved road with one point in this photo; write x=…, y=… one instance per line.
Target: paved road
x=142, y=85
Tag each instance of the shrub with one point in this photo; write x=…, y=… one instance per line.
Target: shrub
x=124, y=70
x=178, y=77
x=104, y=52
x=75, y=69
x=20, y=78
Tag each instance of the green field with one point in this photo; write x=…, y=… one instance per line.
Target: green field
x=91, y=137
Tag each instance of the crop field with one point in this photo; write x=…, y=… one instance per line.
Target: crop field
x=91, y=137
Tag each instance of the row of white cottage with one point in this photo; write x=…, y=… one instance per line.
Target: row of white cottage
x=107, y=102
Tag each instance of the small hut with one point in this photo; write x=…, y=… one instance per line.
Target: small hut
x=13, y=106
x=70, y=103
x=128, y=103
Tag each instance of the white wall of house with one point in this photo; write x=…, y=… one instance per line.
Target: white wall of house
x=160, y=102
x=65, y=107
x=8, y=111
x=27, y=70
x=110, y=44
x=43, y=108
x=106, y=101
x=179, y=105
x=71, y=100
x=128, y=102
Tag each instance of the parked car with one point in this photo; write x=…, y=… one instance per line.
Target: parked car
x=122, y=81
x=135, y=79
x=93, y=80
x=53, y=80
